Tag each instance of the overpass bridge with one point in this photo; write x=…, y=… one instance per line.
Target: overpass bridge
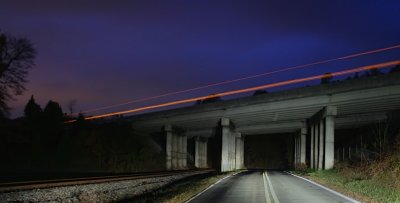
x=313, y=113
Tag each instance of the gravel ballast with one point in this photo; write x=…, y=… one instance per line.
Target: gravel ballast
x=99, y=192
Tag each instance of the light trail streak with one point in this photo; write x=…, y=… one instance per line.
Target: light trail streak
x=266, y=86
x=245, y=78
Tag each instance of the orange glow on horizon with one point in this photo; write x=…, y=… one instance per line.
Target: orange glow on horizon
x=266, y=86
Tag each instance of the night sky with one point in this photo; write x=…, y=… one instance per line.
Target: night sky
x=100, y=53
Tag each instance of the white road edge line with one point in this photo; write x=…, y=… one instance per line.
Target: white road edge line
x=198, y=194
x=325, y=188
x=271, y=188
x=267, y=198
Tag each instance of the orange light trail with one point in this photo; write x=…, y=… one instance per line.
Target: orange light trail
x=246, y=78
x=287, y=82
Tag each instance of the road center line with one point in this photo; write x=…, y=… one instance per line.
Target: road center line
x=267, y=198
x=271, y=188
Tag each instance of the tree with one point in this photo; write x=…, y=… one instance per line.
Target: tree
x=375, y=72
x=327, y=78
x=395, y=69
x=258, y=92
x=16, y=57
x=53, y=113
x=32, y=110
x=211, y=99
x=53, y=120
x=71, y=106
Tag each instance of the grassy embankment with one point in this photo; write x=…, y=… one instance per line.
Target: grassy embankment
x=374, y=181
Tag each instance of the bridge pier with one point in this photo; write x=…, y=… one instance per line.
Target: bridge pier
x=176, y=149
x=312, y=147
x=300, y=147
x=232, y=147
x=322, y=138
x=239, y=151
x=200, y=156
x=228, y=146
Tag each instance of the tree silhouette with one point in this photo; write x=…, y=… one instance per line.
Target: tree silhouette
x=52, y=113
x=211, y=100
x=375, y=72
x=16, y=57
x=258, y=92
x=53, y=120
x=32, y=110
x=395, y=69
x=327, y=78
x=71, y=106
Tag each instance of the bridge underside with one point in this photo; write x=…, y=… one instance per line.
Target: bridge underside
x=311, y=113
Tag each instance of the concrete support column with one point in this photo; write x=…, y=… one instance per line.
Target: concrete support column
x=205, y=143
x=312, y=147
x=322, y=138
x=316, y=144
x=184, y=151
x=228, y=154
x=295, y=151
x=239, y=151
x=298, y=148
x=201, y=152
x=168, y=147
x=321, y=145
x=303, y=135
x=329, y=142
x=176, y=149
x=197, y=152
x=179, y=152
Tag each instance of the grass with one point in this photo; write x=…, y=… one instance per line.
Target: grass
x=368, y=181
x=181, y=191
x=362, y=188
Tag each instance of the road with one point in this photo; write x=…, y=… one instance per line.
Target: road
x=270, y=187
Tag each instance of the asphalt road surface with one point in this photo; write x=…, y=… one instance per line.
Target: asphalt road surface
x=270, y=187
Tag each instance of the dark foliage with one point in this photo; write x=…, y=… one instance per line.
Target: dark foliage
x=259, y=92
x=395, y=69
x=16, y=57
x=32, y=110
x=211, y=99
x=52, y=113
x=326, y=79
x=375, y=72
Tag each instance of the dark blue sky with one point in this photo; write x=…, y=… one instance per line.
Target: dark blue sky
x=104, y=52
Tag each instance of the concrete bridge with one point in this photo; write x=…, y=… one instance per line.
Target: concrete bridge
x=312, y=113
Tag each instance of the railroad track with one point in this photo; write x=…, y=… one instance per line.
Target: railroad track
x=41, y=184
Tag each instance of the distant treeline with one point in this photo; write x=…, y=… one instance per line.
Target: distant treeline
x=40, y=141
